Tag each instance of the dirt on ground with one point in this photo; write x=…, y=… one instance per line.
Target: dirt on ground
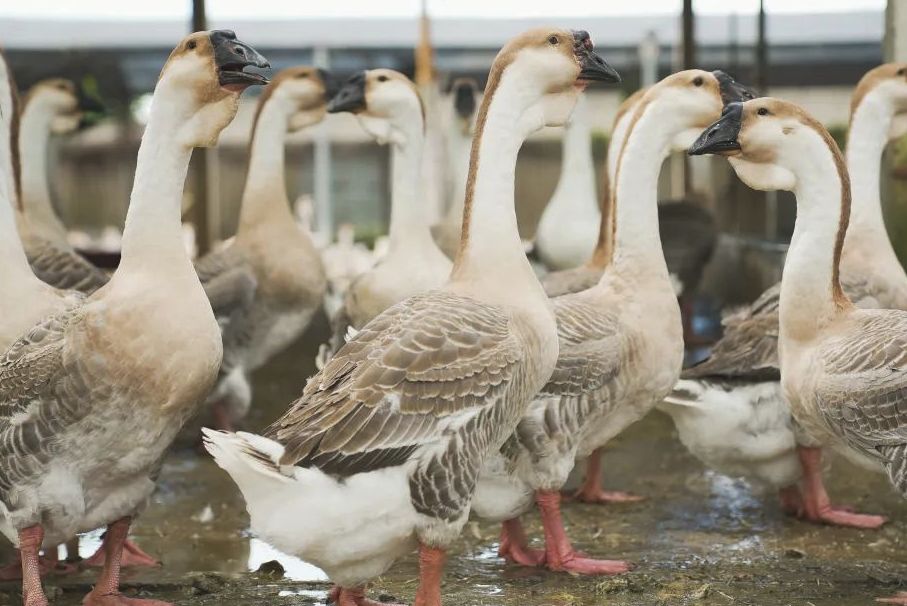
x=699, y=538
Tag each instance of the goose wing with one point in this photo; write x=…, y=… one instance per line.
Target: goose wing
x=409, y=378
x=591, y=347
x=748, y=350
x=228, y=279
x=63, y=269
x=567, y=281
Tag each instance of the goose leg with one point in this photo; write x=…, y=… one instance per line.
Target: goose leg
x=30, y=540
x=560, y=554
x=431, y=567
x=355, y=596
x=791, y=500
x=107, y=590
x=591, y=490
x=222, y=420
x=900, y=598
x=47, y=563
x=132, y=556
x=514, y=547
x=816, y=504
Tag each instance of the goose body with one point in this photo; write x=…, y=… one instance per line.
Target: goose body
x=104, y=394
x=621, y=344
x=740, y=381
x=269, y=282
x=568, y=228
x=390, y=435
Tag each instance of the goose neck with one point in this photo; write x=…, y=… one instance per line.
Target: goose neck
x=15, y=269
x=576, y=186
x=8, y=142
x=866, y=141
x=34, y=143
x=409, y=219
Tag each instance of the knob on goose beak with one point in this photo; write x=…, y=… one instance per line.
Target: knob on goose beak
x=720, y=137
x=731, y=90
x=331, y=82
x=592, y=67
x=231, y=56
x=350, y=97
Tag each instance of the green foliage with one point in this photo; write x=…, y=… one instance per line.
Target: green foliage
x=600, y=141
x=838, y=132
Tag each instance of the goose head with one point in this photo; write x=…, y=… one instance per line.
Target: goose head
x=769, y=142
x=883, y=90
x=385, y=101
x=695, y=98
x=304, y=91
x=57, y=99
x=200, y=85
x=464, y=92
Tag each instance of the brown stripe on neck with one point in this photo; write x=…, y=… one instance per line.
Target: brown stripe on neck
x=14, y=133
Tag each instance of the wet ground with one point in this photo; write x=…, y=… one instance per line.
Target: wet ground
x=699, y=539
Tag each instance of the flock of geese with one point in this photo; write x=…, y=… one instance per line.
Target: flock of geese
x=456, y=382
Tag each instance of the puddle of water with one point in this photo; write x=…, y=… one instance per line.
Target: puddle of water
x=295, y=569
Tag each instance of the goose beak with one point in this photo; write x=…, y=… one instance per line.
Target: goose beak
x=721, y=137
x=231, y=56
x=731, y=90
x=464, y=100
x=592, y=67
x=331, y=83
x=350, y=97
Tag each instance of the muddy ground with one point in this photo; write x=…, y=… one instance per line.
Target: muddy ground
x=699, y=538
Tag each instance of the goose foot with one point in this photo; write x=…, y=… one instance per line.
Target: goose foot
x=817, y=506
x=431, y=567
x=559, y=552
x=345, y=596
x=46, y=564
x=514, y=547
x=132, y=556
x=30, y=540
x=900, y=598
x=591, y=491
x=791, y=500
x=118, y=599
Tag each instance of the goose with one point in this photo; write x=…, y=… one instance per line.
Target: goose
x=344, y=260
x=389, y=108
x=91, y=398
x=50, y=107
x=729, y=410
x=621, y=346
x=270, y=281
x=459, y=141
x=568, y=229
x=842, y=367
x=383, y=448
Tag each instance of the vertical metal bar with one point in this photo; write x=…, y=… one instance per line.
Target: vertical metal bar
x=689, y=62
x=200, y=207
x=322, y=179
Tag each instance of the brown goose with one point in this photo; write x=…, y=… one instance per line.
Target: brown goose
x=843, y=369
x=729, y=410
x=270, y=281
x=383, y=448
x=90, y=398
x=50, y=107
x=621, y=345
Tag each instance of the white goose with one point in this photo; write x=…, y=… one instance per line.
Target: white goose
x=389, y=108
x=90, y=399
x=843, y=369
x=464, y=92
x=269, y=282
x=729, y=410
x=621, y=345
x=568, y=229
x=384, y=447
x=50, y=107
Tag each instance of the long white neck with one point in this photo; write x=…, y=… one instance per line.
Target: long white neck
x=810, y=293
x=616, y=142
x=410, y=229
x=866, y=141
x=14, y=270
x=490, y=248
x=575, y=191
x=458, y=156
x=636, y=239
x=7, y=119
x=152, y=237
x=265, y=194
x=34, y=140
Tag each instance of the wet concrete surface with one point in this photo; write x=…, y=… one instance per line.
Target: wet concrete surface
x=700, y=538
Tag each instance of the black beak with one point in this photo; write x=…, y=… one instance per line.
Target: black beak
x=331, y=83
x=592, y=67
x=231, y=56
x=465, y=98
x=350, y=97
x=731, y=90
x=722, y=135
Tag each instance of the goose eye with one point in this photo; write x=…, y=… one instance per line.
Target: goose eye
x=697, y=81
x=383, y=78
x=191, y=45
x=553, y=40
x=762, y=111
x=302, y=75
